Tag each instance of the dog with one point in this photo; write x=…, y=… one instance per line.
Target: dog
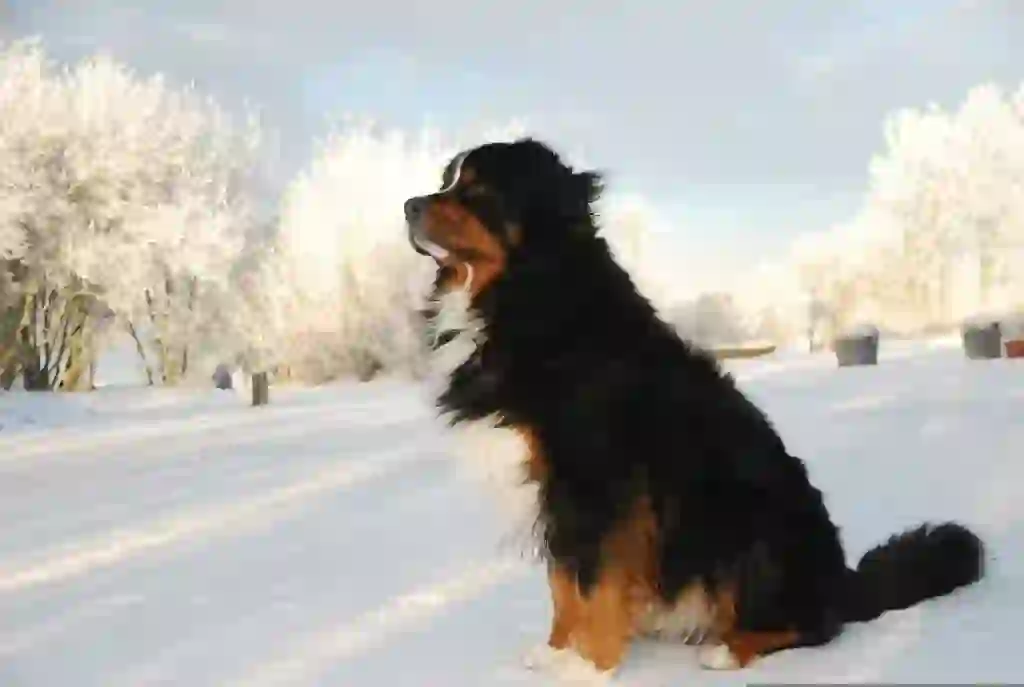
x=665, y=501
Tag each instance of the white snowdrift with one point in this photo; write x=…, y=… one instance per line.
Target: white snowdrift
x=173, y=538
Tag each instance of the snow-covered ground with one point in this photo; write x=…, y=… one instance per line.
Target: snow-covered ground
x=184, y=538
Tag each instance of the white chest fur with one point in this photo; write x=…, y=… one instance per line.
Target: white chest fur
x=495, y=458
x=454, y=315
x=491, y=457
x=690, y=618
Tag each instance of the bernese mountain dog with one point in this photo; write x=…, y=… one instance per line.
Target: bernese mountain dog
x=664, y=499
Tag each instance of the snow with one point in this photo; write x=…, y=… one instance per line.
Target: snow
x=156, y=537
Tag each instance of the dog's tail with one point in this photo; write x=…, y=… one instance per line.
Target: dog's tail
x=913, y=566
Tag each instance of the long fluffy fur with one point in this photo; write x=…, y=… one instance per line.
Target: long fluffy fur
x=922, y=563
x=626, y=410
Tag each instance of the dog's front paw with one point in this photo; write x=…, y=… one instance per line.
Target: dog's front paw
x=573, y=669
x=717, y=657
x=543, y=657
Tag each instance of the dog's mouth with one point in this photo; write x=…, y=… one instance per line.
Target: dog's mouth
x=425, y=246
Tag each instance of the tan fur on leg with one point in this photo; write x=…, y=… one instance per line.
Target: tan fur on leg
x=605, y=627
x=567, y=607
x=738, y=648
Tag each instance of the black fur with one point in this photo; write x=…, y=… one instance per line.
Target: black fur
x=625, y=408
x=919, y=564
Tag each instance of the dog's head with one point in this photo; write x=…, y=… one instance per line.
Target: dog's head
x=501, y=203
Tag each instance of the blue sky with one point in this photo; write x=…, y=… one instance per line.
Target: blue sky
x=744, y=123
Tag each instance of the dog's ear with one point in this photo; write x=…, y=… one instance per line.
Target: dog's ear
x=582, y=191
x=591, y=185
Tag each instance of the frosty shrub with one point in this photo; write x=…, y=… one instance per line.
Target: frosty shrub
x=940, y=233
x=357, y=284
x=126, y=196
x=48, y=308
x=710, y=320
x=634, y=231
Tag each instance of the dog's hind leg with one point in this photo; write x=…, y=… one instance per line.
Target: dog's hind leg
x=745, y=637
x=739, y=649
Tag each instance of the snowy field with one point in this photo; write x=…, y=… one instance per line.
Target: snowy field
x=183, y=538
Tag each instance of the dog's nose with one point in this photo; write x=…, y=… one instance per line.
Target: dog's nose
x=414, y=208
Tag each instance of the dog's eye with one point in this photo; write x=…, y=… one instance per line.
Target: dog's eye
x=475, y=191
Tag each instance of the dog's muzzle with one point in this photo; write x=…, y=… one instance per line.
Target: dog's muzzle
x=415, y=209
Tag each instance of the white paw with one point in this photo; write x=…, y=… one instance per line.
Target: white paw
x=542, y=656
x=573, y=669
x=717, y=657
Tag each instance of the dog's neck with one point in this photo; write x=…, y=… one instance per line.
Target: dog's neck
x=456, y=331
x=521, y=298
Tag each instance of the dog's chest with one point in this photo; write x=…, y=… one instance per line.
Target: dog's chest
x=498, y=460
x=496, y=456
x=462, y=331
x=500, y=452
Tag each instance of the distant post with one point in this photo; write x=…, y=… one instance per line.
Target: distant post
x=260, y=389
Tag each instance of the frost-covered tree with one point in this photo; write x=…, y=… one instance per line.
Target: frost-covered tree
x=913, y=180
x=712, y=319
x=990, y=148
x=262, y=307
x=132, y=197
x=952, y=186
x=358, y=285
x=633, y=229
x=176, y=180
x=12, y=235
x=343, y=239
x=774, y=304
x=946, y=191
x=47, y=307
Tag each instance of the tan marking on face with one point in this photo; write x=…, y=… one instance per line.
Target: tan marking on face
x=470, y=245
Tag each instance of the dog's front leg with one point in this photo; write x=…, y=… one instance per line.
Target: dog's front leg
x=603, y=621
x=566, y=614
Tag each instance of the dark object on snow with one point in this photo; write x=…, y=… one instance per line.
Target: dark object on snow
x=1015, y=348
x=1012, y=329
x=982, y=341
x=260, y=389
x=859, y=348
x=222, y=377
